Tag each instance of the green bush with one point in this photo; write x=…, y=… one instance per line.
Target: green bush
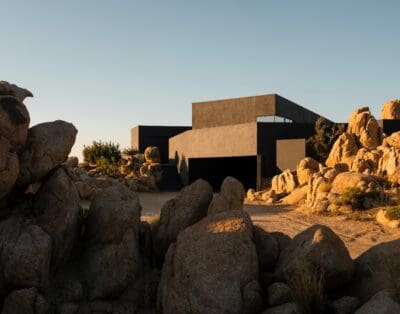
x=393, y=213
x=355, y=197
x=99, y=150
x=320, y=144
x=130, y=151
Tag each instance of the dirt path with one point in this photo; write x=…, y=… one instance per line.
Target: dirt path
x=358, y=233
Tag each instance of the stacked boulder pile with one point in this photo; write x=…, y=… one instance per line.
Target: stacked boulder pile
x=140, y=173
x=203, y=255
x=363, y=161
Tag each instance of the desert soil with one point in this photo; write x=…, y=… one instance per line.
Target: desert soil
x=358, y=231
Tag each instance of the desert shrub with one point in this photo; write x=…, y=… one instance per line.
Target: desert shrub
x=355, y=197
x=308, y=290
x=106, y=167
x=101, y=150
x=393, y=213
x=130, y=151
x=326, y=133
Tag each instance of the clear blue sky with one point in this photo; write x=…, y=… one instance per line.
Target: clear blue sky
x=109, y=65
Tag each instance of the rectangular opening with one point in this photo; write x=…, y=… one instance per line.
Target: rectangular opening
x=215, y=170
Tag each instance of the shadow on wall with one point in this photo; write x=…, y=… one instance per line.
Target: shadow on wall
x=182, y=167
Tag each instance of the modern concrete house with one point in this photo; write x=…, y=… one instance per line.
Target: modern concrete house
x=250, y=138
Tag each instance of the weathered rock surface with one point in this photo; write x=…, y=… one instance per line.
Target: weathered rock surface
x=364, y=126
x=366, y=161
x=287, y=308
x=112, y=259
x=26, y=301
x=47, y=147
x=317, y=249
x=384, y=302
x=285, y=182
x=343, y=151
x=7, y=89
x=267, y=249
x=389, y=164
x=9, y=167
x=305, y=169
x=56, y=207
x=279, y=293
x=391, y=110
x=348, y=180
x=152, y=155
x=14, y=121
x=376, y=269
x=25, y=255
x=344, y=305
x=231, y=196
x=297, y=196
x=209, y=266
x=187, y=208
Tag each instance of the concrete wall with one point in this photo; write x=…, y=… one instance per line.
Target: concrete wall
x=224, y=141
x=143, y=136
x=268, y=134
x=246, y=110
x=289, y=153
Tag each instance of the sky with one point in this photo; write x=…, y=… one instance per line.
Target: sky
x=107, y=66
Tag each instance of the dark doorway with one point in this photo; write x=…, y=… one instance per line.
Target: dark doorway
x=214, y=170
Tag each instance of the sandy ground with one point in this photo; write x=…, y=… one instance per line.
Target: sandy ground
x=359, y=232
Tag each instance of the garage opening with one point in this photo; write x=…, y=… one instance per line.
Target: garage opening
x=214, y=170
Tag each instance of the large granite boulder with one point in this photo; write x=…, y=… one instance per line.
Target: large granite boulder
x=364, y=126
x=317, y=250
x=391, y=110
x=376, y=269
x=389, y=164
x=366, y=161
x=285, y=182
x=212, y=268
x=7, y=89
x=317, y=191
x=25, y=301
x=305, y=169
x=384, y=302
x=14, y=121
x=187, y=208
x=267, y=249
x=346, y=180
x=392, y=141
x=231, y=196
x=112, y=260
x=343, y=151
x=25, y=255
x=9, y=167
x=47, y=147
x=152, y=155
x=56, y=207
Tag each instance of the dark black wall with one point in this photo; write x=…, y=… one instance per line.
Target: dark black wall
x=215, y=170
x=389, y=126
x=158, y=136
x=268, y=133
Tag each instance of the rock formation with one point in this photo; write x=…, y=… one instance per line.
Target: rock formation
x=391, y=110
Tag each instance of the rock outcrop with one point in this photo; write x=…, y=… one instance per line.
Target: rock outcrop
x=7, y=89
x=14, y=121
x=305, y=169
x=112, y=258
x=231, y=196
x=177, y=214
x=285, y=182
x=212, y=267
x=391, y=110
x=48, y=145
x=343, y=152
x=56, y=208
x=316, y=251
x=9, y=167
x=364, y=126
